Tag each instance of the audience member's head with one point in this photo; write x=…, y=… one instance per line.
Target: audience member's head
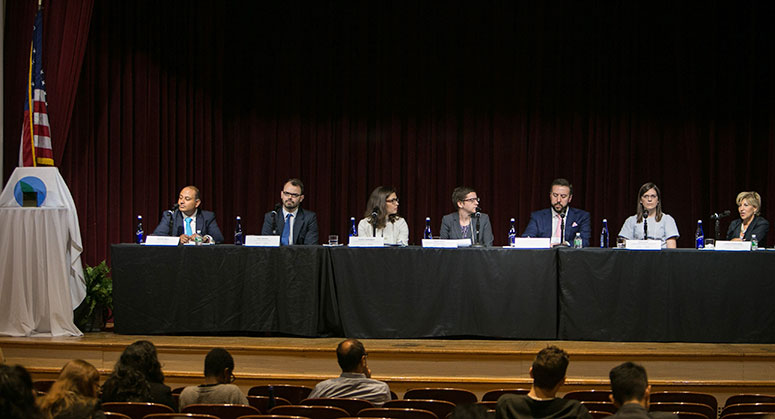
x=132, y=374
x=549, y=369
x=629, y=384
x=74, y=391
x=469, y=411
x=17, y=397
x=351, y=355
x=219, y=365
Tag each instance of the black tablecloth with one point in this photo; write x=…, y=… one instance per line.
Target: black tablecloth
x=418, y=292
x=222, y=289
x=665, y=296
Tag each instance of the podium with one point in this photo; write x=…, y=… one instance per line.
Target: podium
x=41, y=276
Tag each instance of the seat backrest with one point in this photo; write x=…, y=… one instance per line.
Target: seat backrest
x=600, y=406
x=494, y=395
x=270, y=417
x=589, y=395
x=746, y=415
x=396, y=413
x=179, y=416
x=748, y=407
x=223, y=411
x=352, y=406
x=690, y=415
x=136, y=410
x=686, y=397
x=293, y=393
x=683, y=407
x=454, y=395
x=441, y=408
x=43, y=386
x=597, y=415
x=312, y=412
x=749, y=398
x=262, y=403
x=115, y=415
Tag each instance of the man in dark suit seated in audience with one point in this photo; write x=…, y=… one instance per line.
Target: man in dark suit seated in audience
x=355, y=381
x=631, y=389
x=548, y=373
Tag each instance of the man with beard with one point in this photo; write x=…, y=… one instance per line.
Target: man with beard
x=188, y=221
x=293, y=224
x=560, y=223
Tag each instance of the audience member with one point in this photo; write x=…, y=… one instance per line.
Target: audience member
x=294, y=224
x=74, y=394
x=137, y=377
x=355, y=380
x=17, y=397
x=630, y=392
x=548, y=374
x=218, y=387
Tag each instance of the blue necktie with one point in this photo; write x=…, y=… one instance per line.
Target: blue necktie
x=188, y=226
x=286, y=230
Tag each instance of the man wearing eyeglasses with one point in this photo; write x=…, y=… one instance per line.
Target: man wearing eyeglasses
x=463, y=224
x=355, y=381
x=218, y=387
x=293, y=224
x=560, y=223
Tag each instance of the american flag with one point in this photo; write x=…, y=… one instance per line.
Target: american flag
x=35, y=149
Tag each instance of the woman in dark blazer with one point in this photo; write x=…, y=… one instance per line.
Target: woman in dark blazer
x=750, y=222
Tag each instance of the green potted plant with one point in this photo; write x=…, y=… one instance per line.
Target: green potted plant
x=91, y=314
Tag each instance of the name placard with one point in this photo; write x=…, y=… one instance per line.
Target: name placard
x=644, y=245
x=262, y=241
x=735, y=246
x=532, y=243
x=366, y=241
x=439, y=243
x=162, y=240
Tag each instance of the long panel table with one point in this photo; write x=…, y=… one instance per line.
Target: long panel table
x=575, y=294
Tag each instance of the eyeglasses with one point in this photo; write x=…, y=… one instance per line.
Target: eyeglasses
x=471, y=200
x=291, y=194
x=392, y=201
x=232, y=378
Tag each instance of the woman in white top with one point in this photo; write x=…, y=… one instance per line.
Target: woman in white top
x=388, y=224
x=660, y=225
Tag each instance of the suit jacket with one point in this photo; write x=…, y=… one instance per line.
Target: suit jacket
x=305, y=226
x=636, y=411
x=205, y=222
x=450, y=228
x=576, y=221
x=759, y=226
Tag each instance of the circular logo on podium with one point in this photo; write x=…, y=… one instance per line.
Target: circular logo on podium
x=30, y=192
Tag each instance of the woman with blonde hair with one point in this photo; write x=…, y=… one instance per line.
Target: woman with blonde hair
x=74, y=393
x=750, y=222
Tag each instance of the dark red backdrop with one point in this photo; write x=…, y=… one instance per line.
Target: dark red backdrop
x=146, y=97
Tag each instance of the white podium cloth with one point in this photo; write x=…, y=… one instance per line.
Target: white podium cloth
x=41, y=276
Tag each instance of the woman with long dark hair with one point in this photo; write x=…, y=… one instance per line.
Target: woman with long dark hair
x=137, y=377
x=381, y=218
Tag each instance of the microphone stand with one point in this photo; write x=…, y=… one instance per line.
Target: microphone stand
x=645, y=225
x=718, y=229
x=171, y=212
x=563, y=240
x=274, y=219
x=374, y=222
x=477, y=234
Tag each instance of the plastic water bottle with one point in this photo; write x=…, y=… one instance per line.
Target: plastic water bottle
x=512, y=232
x=754, y=242
x=577, y=242
x=139, y=235
x=198, y=239
x=427, y=234
x=238, y=231
x=604, y=234
x=353, y=228
x=699, y=236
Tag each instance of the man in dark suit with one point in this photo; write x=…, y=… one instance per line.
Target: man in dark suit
x=560, y=222
x=630, y=391
x=188, y=221
x=293, y=224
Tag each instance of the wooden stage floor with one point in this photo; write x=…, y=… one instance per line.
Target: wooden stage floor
x=478, y=365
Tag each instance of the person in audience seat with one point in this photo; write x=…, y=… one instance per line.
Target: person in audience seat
x=548, y=373
x=137, y=377
x=355, y=380
x=17, y=396
x=630, y=392
x=74, y=393
x=218, y=387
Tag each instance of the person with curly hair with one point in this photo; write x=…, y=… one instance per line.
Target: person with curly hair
x=137, y=377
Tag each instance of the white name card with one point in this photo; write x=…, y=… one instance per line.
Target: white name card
x=439, y=243
x=366, y=241
x=162, y=240
x=262, y=241
x=644, y=245
x=532, y=243
x=735, y=246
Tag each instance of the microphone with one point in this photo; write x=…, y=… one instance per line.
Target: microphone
x=275, y=213
x=562, y=225
x=171, y=212
x=478, y=212
x=718, y=216
x=645, y=223
x=374, y=215
x=375, y=212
